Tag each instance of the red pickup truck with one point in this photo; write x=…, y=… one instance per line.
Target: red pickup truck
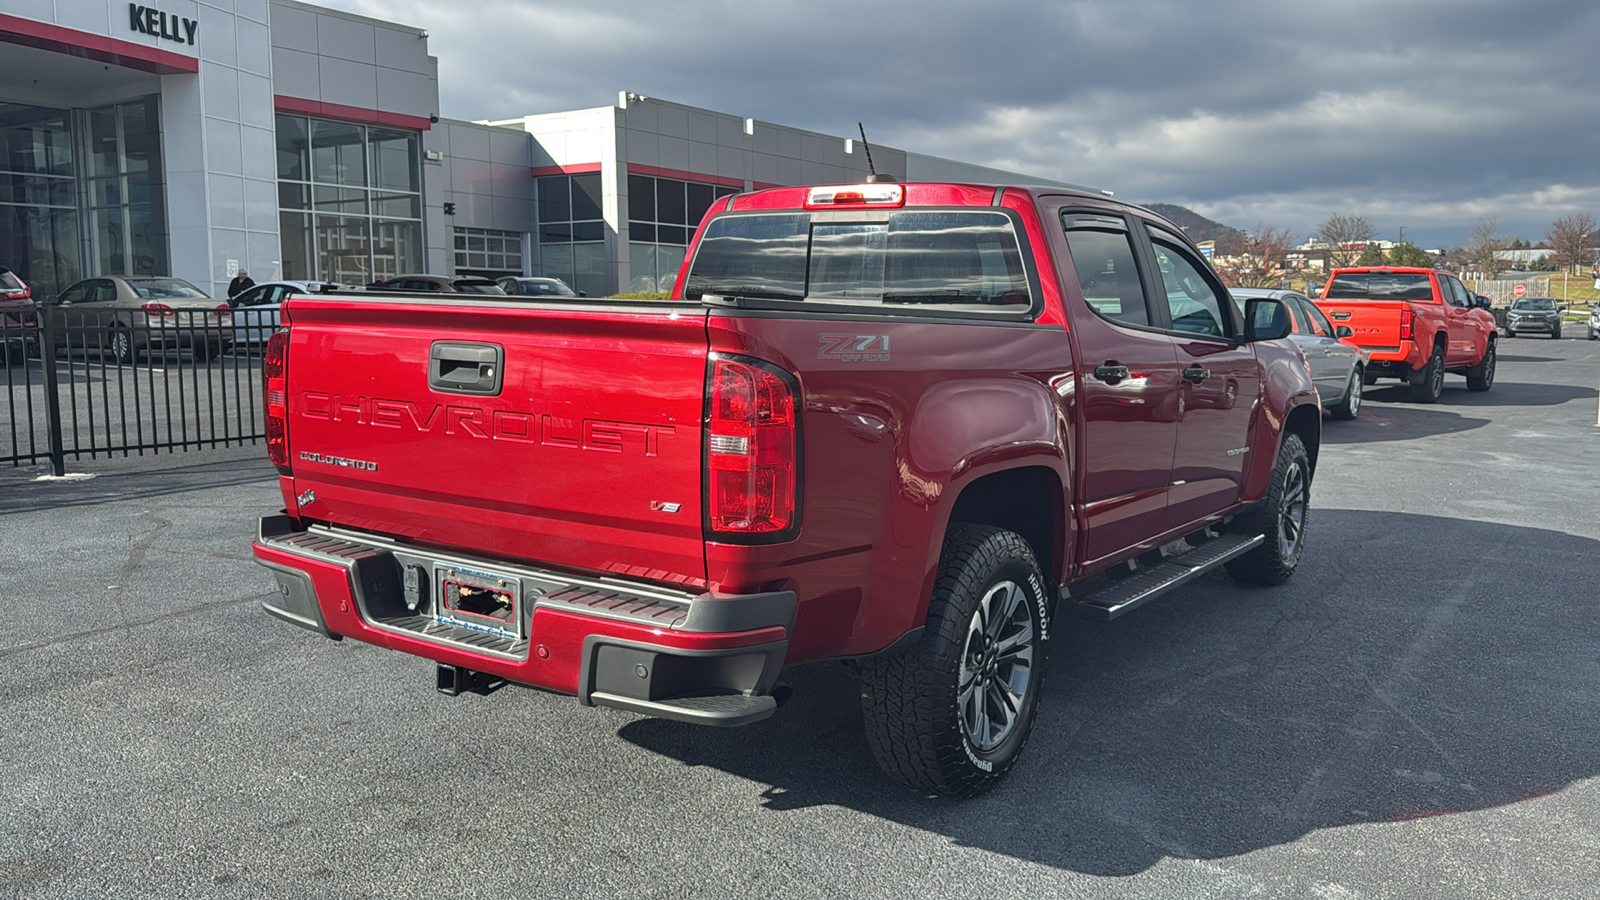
x=882, y=423
x=1416, y=325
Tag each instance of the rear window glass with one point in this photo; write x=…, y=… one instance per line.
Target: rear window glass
x=156, y=288
x=1380, y=286
x=9, y=281
x=913, y=260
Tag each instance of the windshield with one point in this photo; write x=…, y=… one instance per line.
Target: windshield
x=1380, y=286
x=936, y=258
x=166, y=288
x=546, y=288
x=1543, y=304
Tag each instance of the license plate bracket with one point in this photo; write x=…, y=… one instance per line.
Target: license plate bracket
x=479, y=600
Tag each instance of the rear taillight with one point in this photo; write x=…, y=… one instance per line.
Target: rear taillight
x=1407, y=318
x=752, y=452
x=156, y=309
x=223, y=310
x=18, y=293
x=274, y=368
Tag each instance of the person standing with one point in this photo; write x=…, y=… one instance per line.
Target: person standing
x=240, y=284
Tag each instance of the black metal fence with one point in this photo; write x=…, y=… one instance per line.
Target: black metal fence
x=87, y=385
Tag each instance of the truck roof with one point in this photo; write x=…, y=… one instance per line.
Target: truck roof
x=914, y=193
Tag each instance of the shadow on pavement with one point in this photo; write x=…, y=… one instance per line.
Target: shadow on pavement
x=20, y=491
x=1398, y=423
x=1504, y=393
x=1228, y=718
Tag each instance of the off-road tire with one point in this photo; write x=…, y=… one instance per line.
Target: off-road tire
x=1350, y=406
x=916, y=715
x=1481, y=376
x=1430, y=386
x=1282, y=517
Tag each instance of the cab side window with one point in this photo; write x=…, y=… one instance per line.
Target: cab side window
x=1102, y=254
x=1195, y=304
x=1458, y=293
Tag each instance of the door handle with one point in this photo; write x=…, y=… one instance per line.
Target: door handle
x=1111, y=373
x=463, y=367
x=1196, y=374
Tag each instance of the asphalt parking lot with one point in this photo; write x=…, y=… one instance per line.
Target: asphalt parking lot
x=1415, y=714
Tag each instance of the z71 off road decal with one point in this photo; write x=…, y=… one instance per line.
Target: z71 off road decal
x=854, y=347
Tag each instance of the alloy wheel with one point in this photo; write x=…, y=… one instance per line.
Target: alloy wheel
x=996, y=665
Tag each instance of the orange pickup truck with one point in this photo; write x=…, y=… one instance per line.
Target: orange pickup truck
x=1415, y=325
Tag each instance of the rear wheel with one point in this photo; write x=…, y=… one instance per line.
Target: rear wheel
x=1282, y=518
x=120, y=343
x=1350, y=406
x=952, y=714
x=1429, y=385
x=1481, y=376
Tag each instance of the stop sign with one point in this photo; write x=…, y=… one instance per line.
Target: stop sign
x=1520, y=289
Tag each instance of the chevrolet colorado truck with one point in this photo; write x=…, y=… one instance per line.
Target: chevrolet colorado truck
x=904, y=426
x=1416, y=325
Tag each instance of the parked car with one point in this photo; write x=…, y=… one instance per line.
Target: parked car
x=17, y=320
x=255, y=315
x=1415, y=324
x=1337, y=364
x=448, y=284
x=126, y=316
x=527, y=286
x=1594, y=321
x=1540, y=314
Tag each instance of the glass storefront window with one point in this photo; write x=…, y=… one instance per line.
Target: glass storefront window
x=364, y=185
x=572, y=232
x=662, y=216
x=338, y=153
x=294, y=148
x=127, y=233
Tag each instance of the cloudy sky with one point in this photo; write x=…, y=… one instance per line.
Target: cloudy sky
x=1427, y=115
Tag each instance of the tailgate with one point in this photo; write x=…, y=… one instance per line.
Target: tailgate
x=567, y=435
x=1376, y=323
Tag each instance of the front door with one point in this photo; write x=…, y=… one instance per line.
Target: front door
x=1220, y=384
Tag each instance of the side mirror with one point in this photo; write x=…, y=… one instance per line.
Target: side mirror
x=583, y=293
x=1344, y=331
x=1481, y=302
x=1266, y=319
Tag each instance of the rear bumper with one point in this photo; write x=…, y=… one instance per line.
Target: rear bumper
x=609, y=642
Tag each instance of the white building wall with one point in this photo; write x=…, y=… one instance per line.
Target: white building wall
x=485, y=172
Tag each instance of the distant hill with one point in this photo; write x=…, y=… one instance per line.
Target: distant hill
x=1198, y=227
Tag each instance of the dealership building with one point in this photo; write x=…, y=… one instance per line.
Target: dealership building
x=198, y=139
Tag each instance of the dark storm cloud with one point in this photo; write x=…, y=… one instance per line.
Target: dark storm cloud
x=1423, y=114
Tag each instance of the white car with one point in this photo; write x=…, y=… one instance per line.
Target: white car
x=255, y=311
x=1594, y=321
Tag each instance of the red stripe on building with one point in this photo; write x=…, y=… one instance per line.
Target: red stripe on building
x=637, y=169
x=44, y=36
x=764, y=185
x=349, y=113
x=574, y=169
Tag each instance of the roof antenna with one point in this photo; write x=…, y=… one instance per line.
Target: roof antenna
x=872, y=172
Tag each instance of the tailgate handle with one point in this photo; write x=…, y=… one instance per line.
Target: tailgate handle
x=463, y=367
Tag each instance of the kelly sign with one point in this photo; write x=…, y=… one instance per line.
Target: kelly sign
x=149, y=20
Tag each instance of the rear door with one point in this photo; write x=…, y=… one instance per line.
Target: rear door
x=499, y=427
x=1463, y=325
x=1128, y=383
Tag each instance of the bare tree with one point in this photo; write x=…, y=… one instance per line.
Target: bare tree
x=1258, y=260
x=1346, y=236
x=1569, y=238
x=1482, y=243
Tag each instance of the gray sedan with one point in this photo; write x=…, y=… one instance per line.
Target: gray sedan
x=1336, y=367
